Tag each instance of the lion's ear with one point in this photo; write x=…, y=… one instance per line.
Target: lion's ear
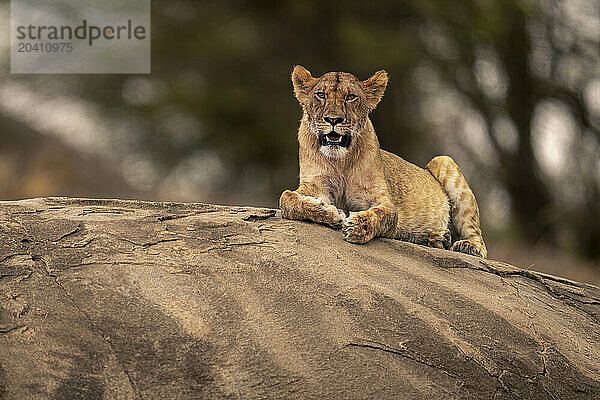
x=303, y=83
x=374, y=87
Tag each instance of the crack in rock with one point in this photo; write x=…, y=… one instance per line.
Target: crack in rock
x=260, y=217
x=170, y=217
x=145, y=245
x=99, y=331
x=75, y=231
x=8, y=257
x=5, y=330
x=403, y=353
x=541, y=280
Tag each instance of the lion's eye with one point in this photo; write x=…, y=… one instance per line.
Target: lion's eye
x=320, y=95
x=350, y=97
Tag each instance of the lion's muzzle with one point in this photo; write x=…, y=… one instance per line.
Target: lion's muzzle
x=334, y=139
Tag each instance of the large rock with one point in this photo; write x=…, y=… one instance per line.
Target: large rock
x=123, y=299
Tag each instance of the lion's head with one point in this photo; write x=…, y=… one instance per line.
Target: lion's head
x=337, y=106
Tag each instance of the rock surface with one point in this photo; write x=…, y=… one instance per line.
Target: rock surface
x=120, y=299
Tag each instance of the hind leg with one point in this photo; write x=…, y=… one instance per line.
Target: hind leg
x=465, y=212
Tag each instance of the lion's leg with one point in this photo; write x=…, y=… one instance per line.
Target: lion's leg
x=362, y=226
x=294, y=205
x=465, y=212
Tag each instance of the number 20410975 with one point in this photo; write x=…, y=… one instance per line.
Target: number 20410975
x=37, y=47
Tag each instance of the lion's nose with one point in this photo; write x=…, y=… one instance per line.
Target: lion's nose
x=334, y=120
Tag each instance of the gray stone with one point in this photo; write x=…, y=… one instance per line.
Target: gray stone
x=116, y=299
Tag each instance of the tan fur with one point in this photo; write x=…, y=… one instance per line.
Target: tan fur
x=465, y=212
x=382, y=194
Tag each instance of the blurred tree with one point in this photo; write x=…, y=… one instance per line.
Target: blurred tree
x=511, y=88
x=505, y=31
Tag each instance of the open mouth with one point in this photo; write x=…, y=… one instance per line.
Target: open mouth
x=334, y=139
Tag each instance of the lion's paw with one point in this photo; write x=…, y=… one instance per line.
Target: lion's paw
x=332, y=215
x=469, y=247
x=440, y=239
x=357, y=228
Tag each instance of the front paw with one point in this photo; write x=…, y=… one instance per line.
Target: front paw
x=358, y=228
x=333, y=216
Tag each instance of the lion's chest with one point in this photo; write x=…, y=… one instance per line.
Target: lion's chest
x=344, y=195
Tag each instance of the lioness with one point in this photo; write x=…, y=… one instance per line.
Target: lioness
x=343, y=170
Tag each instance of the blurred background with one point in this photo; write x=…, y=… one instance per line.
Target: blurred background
x=510, y=89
